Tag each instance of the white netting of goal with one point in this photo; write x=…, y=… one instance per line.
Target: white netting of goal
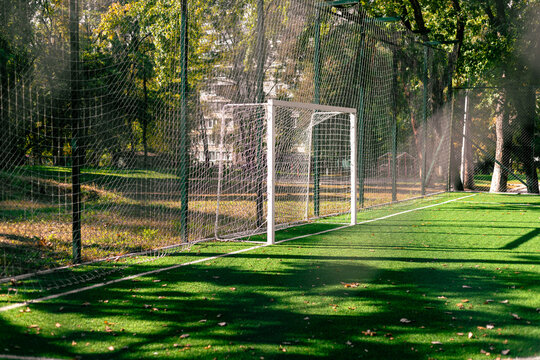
x=311, y=168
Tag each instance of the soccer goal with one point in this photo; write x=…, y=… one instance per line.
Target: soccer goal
x=283, y=163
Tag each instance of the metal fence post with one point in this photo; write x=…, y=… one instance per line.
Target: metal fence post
x=394, y=125
x=75, y=129
x=316, y=100
x=424, y=118
x=183, y=153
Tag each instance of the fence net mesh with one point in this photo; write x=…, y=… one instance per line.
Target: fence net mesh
x=95, y=87
x=495, y=138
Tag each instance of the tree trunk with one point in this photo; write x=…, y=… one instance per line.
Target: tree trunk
x=457, y=185
x=503, y=148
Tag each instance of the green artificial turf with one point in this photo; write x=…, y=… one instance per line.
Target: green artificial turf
x=454, y=281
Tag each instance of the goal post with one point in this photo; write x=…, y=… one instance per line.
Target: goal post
x=284, y=167
x=271, y=176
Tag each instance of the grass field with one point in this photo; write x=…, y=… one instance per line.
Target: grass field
x=454, y=281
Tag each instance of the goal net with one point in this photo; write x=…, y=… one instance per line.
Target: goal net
x=280, y=164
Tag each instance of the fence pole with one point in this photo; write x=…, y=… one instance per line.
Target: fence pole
x=394, y=125
x=316, y=100
x=75, y=136
x=184, y=156
x=259, y=94
x=424, y=118
x=360, y=119
x=450, y=131
x=464, y=144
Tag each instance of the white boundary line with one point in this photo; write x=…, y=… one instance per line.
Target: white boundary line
x=156, y=271
x=411, y=210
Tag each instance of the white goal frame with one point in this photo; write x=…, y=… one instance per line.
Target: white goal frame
x=271, y=157
x=326, y=112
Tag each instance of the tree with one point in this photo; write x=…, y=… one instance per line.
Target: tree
x=496, y=44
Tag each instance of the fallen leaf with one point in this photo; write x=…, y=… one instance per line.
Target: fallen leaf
x=183, y=336
x=73, y=343
x=306, y=318
x=436, y=343
x=466, y=287
x=441, y=297
x=505, y=352
x=57, y=325
x=232, y=289
x=470, y=335
x=222, y=324
x=404, y=320
x=488, y=301
x=33, y=326
x=202, y=321
x=111, y=348
x=504, y=302
x=465, y=301
x=490, y=326
x=516, y=316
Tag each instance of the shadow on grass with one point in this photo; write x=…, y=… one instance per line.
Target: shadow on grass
x=297, y=303
x=522, y=239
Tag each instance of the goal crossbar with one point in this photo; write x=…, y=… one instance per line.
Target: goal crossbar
x=309, y=106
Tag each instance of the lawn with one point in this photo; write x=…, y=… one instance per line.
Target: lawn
x=454, y=281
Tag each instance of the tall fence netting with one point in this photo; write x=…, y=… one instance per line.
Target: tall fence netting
x=495, y=142
x=100, y=89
